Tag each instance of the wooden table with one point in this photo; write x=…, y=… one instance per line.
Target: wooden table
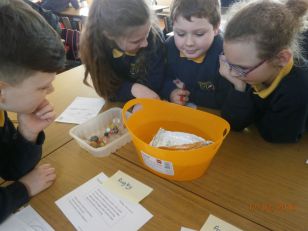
x=251, y=184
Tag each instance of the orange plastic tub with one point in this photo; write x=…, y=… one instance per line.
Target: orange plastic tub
x=175, y=165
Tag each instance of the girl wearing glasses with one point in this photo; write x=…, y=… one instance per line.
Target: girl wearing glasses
x=262, y=60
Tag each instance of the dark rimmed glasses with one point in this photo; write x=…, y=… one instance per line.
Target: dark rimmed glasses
x=240, y=72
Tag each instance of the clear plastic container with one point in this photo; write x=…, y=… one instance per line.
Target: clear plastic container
x=95, y=126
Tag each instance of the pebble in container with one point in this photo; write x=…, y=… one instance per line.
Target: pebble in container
x=94, y=126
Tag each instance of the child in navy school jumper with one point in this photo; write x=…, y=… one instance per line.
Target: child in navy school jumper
x=263, y=62
x=193, y=55
x=26, y=75
x=122, y=50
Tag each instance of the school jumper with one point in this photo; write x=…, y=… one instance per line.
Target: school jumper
x=281, y=117
x=206, y=86
x=305, y=44
x=129, y=71
x=17, y=157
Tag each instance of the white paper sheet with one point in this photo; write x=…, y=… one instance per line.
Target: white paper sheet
x=81, y=110
x=215, y=223
x=27, y=219
x=187, y=229
x=92, y=207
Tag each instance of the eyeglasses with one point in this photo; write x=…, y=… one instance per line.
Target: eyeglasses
x=240, y=72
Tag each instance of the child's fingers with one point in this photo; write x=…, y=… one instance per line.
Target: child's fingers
x=44, y=166
x=183, y=98
x=42, y=105
x=51, y=177
x=50, y=116
x=46, y=169
x=50, y=170
x=46, y=109
x=183, y=92
x=224, y=69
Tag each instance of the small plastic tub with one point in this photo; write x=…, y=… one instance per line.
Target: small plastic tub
x=95, y=126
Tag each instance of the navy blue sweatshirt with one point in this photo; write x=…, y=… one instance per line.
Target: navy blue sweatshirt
x=17, y=157
x=150, y=74
x=282, y=117
x=206, y=86
x=305, y=44
x=59, y=5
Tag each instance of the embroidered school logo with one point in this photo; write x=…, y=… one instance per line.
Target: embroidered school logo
x=133, y=70
x=206, y=86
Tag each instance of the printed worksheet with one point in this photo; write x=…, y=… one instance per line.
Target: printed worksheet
x=81, y=110
x=27, y=219
x=215, y=223
x=92, y=207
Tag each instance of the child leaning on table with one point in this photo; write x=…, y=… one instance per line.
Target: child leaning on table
x=31, y=54
x=262, y=60
x=193, y=55
x=121, y=48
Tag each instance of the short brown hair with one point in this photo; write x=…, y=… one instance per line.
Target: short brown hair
x=27, y=43
x=272, y=25
x=209, y=9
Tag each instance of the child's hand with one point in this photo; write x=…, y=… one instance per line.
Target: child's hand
x=40, y=178
x=30, y=125
x=140, y=91
x=179, y=96
x=238, y=83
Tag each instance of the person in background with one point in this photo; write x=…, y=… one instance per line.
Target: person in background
x=59, y=5
x=263, y=61
x=305, y=43
x=122, y=50
x=50, y=17
x=227, y=3
x=26, y=75
x=193, y=55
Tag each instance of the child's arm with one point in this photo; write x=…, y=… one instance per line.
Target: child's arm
x=11, y=198
x=129, y=90
x=285, y=121
x=18, y=193
x=238, y=109
x=142, y=91
x=24, y=147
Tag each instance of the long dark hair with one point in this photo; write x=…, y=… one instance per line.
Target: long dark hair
x=115, y=18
